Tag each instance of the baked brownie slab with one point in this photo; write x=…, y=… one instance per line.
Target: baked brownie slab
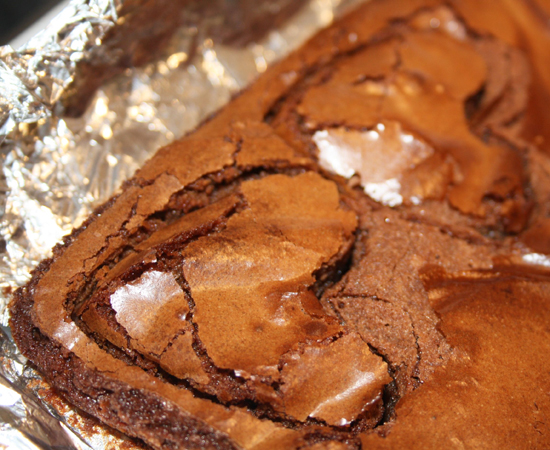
x=337, y=259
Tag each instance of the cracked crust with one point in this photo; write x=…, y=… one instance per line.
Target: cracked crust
x=253, y=288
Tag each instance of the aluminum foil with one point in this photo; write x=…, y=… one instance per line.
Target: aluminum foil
x=56, y=169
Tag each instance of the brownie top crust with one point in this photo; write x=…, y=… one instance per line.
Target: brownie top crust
x=340, y=258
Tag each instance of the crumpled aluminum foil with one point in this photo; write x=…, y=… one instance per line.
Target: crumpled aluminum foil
x=56, y=169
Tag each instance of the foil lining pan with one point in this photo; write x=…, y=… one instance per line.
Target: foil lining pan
x=82, y=105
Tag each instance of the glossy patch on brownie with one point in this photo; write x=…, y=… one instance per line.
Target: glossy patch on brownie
x=411, y=86
x=152, y=309
x=334, y=382
x=382, y=158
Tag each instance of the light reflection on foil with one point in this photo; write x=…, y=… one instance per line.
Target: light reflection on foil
x=57, y=169
x=34, y=77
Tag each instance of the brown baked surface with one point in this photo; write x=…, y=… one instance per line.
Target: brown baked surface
x=340, y=258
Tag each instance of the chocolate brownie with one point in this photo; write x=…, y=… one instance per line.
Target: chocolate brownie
x=351, y=254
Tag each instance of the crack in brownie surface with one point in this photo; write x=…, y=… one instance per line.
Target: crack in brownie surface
x=248, y=302
x=283, y=276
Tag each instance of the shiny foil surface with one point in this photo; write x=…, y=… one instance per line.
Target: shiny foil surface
x=57, y=167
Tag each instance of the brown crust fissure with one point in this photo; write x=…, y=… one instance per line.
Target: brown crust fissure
x=393, y=366
x=330, y=273
x=339, y=263
x=226, y=376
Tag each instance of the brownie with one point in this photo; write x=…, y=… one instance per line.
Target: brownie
x=351, y=254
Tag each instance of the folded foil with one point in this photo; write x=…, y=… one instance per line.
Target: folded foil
x=67, y=145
